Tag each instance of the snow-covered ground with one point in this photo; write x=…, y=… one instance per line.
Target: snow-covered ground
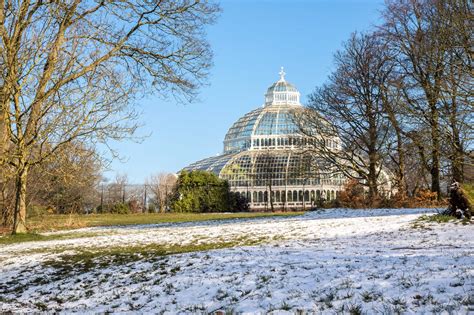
x=349, y=261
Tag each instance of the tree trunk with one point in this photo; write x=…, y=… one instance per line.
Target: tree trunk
x=372, y=151
x=456, y=156
x=402, y=185
x=457, y=151
x=372, y=183
x=435, y=152
x=4, y=145
x=401, y=180
x=19, y=219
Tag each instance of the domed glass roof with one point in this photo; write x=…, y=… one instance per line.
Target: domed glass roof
x=267, y=121
x=264, y=155
x=281, y=86
x=273, y=119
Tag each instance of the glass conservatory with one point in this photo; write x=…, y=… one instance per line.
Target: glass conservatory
x=264, y=157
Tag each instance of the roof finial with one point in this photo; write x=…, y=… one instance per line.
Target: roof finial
x=282, y=74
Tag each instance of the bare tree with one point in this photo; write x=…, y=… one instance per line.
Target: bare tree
x=392, y=105
x=70, y=69
x=68, y=182
x=457, y=119
x=117, y=190
x=345, y=121
x=163, y=187
x=419, y=44
x=456, y=18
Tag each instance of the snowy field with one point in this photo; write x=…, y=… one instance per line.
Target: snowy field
x=336, y=261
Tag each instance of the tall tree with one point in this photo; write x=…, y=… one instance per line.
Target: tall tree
x=162, y=186
x=66, y=183
x=457, y=19
x=69, y=70
x=392, y=105
x=419, y=42
x=345, y=119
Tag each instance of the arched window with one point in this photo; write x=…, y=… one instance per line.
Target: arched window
x=318, y=195
x=283, y=195
x=290, y=197
x=306, y=195
x=313, y=196
x=332, y=195
x=277, y=196
x=295, y=195
x=265, y=196
x=260, y=196
x=255, y=198
x=300, y=195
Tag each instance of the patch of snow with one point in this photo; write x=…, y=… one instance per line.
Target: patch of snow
x=331, y=261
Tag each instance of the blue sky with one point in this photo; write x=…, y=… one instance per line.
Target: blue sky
x=250, y=40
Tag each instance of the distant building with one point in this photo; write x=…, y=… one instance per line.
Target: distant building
x=263, y=156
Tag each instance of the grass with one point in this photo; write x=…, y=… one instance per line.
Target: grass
x=32, y=237
x=85, y=260
x=47, y=223
x=66, y=265
x=437, y=218
x=440, y=218
x=54, y=222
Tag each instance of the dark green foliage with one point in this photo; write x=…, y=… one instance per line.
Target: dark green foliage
x=239, y=203
x=469, y=191
x=199, y=191
x=118, y=208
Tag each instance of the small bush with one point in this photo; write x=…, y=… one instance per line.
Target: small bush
x=238, y=203
x=117, y=208
x=426, y=197
x=134, y=206
x=352, y=195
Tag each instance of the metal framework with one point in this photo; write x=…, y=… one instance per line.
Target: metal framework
x=264, y=157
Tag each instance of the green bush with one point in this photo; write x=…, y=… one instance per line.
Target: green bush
x=469, y=189
x=238, y=203
x=117, y=208
x=200, y=191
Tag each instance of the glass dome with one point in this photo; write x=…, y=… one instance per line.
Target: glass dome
x=274, y=119
x=271, y=123
x=263, y=156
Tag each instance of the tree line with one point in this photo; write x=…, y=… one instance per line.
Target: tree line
x=400, y=100
x=80, y=188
